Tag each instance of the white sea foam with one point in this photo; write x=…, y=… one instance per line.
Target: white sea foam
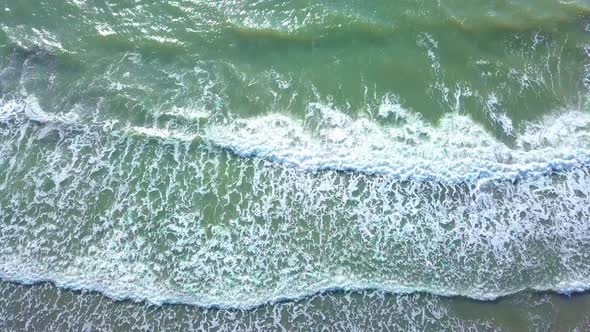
x=344, y=311
x=29, y=107
x=163, y=133
x=177, y=222
x=121, y=291
x=456, y=150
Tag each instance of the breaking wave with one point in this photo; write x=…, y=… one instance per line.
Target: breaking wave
x=457, y=150
x=158, y=298
x=320, y=231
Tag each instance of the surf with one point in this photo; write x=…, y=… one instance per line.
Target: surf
x=456, y=150
x=507, y=228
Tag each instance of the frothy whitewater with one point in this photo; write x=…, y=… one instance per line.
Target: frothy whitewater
x=456, y=150
x=445, y=209
x=266, y=165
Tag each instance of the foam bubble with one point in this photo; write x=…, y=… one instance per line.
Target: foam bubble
x=162, y=133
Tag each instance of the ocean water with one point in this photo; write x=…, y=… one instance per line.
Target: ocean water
x=403, y=165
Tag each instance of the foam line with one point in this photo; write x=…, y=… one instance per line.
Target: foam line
x=75, y=284
x=457, y=150
x=227, y=220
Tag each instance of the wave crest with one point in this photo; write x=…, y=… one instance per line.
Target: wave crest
x=457, y=150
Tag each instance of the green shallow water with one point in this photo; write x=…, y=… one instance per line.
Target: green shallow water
x=381, y=165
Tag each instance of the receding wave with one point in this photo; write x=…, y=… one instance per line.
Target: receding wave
x=122, y=294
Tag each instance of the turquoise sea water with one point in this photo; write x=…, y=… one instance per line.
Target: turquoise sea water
x=268, y=165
